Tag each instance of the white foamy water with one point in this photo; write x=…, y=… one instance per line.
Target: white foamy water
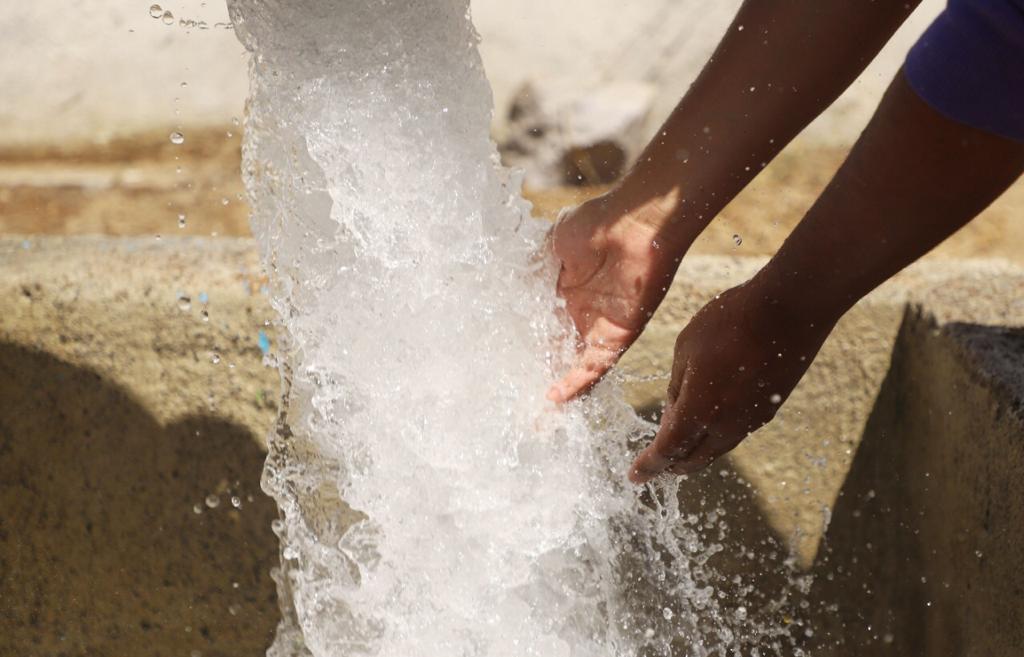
x=432, y=501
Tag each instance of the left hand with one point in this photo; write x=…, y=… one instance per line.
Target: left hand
x=735, y=364
x=615, y=270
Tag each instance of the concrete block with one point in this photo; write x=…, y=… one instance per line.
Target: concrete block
x=923, y=553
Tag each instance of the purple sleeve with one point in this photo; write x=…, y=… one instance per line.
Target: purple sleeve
x=969, y=65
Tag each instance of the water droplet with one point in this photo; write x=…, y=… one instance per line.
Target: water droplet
x=181, y=220
x=236, y=501
x=177, y=138
x=776, y=398
x=156, y=11
x=212, y=501
x=737, y=239
x=167, y=18
x=184, y=302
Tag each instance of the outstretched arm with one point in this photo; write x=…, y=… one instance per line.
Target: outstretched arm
x=779, y=65
x=912, y=179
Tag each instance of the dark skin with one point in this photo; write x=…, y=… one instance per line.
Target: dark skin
x=912, y=179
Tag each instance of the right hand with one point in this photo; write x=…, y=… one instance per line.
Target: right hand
x=615, y=272
x=735, y=364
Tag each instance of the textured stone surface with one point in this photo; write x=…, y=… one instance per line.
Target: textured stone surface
x=115, y=425
x=115, y=422
x=923, y=554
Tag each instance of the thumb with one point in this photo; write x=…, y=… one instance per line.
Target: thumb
x=679, y=432
x=678, y=436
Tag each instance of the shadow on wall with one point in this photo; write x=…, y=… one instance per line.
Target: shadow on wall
x=101, y=549
x=923, y=553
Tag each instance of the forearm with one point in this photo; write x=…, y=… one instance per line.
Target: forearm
x=912, y=179
x=779, y=65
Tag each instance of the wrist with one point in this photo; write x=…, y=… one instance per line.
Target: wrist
x=654, y=212
x=794, y=298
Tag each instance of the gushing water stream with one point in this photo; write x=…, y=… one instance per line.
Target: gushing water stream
x=433, y=503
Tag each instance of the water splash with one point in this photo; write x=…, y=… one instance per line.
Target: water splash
x=432, y=502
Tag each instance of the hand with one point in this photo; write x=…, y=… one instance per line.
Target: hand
x=615, y=272
x=735, y=364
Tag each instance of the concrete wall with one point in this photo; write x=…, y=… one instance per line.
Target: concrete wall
x=91, y=71
x=121, y=410
x=925, y=544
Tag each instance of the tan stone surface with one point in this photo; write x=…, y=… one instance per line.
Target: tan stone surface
x=137, y=186
x=107, y=380
x=115, y=424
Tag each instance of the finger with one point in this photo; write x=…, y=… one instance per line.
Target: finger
x=590, y=367
x=701, y=457
x=678, y=436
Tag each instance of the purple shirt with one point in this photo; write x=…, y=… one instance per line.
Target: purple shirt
x=969, y=65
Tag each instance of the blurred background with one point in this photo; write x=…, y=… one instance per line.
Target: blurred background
x=124, y=118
